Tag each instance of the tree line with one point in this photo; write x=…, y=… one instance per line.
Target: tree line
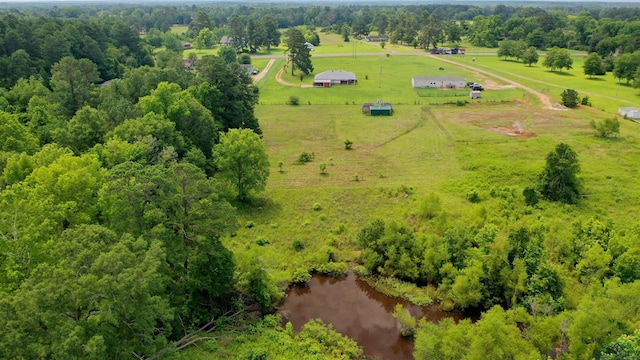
x=114, y=196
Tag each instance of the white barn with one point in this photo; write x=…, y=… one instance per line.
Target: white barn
x=630, y=113
x=438, y=82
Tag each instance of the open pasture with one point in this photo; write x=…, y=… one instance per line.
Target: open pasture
x=396, y=161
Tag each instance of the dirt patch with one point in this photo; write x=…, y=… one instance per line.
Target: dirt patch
x=511, y=132
x=492, y=85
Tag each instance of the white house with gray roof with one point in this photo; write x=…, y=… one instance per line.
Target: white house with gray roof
x=438, y=82
x=334, y=77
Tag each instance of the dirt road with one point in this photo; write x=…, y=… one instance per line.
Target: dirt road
x=543, y=98
x=264, y=71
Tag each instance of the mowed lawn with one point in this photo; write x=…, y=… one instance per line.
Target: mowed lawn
x=379, y=77
x=604, y=91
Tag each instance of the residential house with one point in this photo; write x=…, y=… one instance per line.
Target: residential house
x=334, y=77
x=438, y=82
x=377, y=38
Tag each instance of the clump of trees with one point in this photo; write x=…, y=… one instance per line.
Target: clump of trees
x=559, y=180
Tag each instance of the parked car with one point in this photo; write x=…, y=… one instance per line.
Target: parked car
x=255, y=71
x=477, y=87
x=470, y=83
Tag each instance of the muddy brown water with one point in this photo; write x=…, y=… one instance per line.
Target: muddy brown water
x=359, y=311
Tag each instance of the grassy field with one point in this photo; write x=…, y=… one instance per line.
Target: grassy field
x=605, y=91
x=379, y=77
x=396, y=161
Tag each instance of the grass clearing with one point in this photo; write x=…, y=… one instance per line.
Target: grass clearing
x=447, y=150
x=604, y=91
x=379, y=77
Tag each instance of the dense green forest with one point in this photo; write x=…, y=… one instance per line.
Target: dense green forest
x=123, y=172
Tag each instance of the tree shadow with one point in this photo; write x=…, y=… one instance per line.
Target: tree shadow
x=512, y=60
x=595, y=79
x=561, y=73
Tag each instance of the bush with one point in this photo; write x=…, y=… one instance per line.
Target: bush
x=323, y=168
x=305, y=157
x=585, y=101
x=244, y=59
x=261, y=241
x=406, y=322
x=530, y=196
x=335, y=269
x=473, y=197
x=348, y=144
x=293, y=100
x=430, y=206
x=301, y=277
x=298, y=245
x=607, y=127
x=249, y=224
x=211, y=346
x=317, y=207
x=570, y=98
x=461, y=102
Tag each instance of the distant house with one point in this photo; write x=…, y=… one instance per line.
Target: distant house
x=309, y=46
x=377, y=38
x=186, y=45
x=247, y=67
x=334, y=77
x=438, y=82
x=226, y=40
x=630, y=113
x=109, y=82
x=188, y=64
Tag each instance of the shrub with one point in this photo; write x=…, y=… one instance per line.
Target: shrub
x=280, y=165
x=335, y=269
x=348, y=144
x=406, y=322
x=461, y=102
x=317, y=207
x=585, y=101
x=261, y=241
x=301, y=277
x=257, y=355
x=298, y=245
x=530, y=196
x=339, y=228
x=570, y=98
x=244, y=59
x=607, y=127
x=323, y=168
x=430, y=206
x=473, y=197
x=211, y=345
x=305, y=157
x=249, y=224
x=293, y=100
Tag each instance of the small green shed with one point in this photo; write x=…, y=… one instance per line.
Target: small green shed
x=382, y=110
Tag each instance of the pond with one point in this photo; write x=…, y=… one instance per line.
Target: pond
x=359, y=311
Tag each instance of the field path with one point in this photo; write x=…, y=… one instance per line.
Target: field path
x=280, y=80
x=264, y=71
x=543, y=98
